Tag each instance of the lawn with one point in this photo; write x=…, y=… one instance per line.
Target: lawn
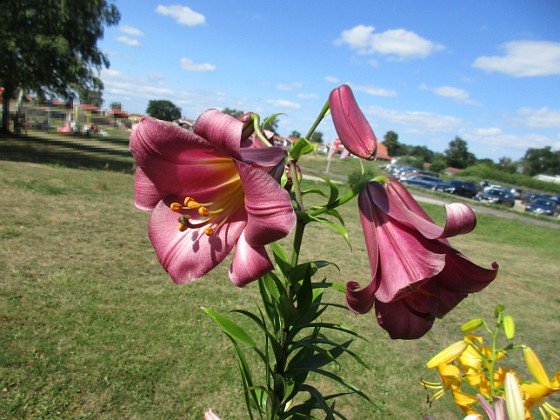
x=93, y=327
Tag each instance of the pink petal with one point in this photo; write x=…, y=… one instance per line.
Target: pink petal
x=177, y=161
x=270, y=160
x=268, y=205
x=402, y=322
x=223, y=131
x=406, y=258
x=146, y=195
x=248, y=263
x=359, y=300
x=460, y=218
x=189, y=255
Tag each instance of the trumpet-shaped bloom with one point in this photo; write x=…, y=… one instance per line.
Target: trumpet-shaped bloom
x=416, y=274
x=351, y=125
x=207, y=194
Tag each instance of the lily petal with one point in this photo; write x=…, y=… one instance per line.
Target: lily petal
x=270, y=214
x=248, y=263
x=189, y=255
x=223, y=131
x=401, y=322
x=146, y=195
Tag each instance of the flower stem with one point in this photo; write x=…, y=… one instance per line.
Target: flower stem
x=326, y=109
x=258, y=131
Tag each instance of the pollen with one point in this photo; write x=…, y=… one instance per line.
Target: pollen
x=191, y=203
x=176, y=207
x=209, y=231
x=203, y=211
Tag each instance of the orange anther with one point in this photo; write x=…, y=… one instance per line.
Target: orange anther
x=182, y=227
x=191, y=203
x=176, y=207
x=203, y=211
x=209, y=231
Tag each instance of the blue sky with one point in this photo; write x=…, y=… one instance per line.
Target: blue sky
x=488, y=72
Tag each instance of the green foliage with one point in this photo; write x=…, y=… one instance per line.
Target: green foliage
x=492, y=173
x=233, y=112
x=50, y=46
x=541, y=161
x=391, y=141
x=358, y=177
x=163, y=109
x=316, y=137
x=295, y=134
x=438, y=165
x=271, y=123
x=457, y=154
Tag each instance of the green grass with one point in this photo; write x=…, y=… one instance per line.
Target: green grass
x=92, y=327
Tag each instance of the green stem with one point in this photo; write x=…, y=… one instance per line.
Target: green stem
x=492, y=362
x=256, y=124
x=326, y=109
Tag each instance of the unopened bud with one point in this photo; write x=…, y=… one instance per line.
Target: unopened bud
x=472, y=325
x=535, y=366
x=509, y=327
x=447, y=355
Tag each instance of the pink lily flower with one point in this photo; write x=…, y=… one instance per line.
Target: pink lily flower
x=207, y=194
x=351, y=125
x=416, y=274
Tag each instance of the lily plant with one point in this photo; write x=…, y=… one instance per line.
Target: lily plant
x=224, y=187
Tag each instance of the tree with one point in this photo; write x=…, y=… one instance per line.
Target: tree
x=233, y=112
x=295, y=134
x=458, y=155
x=163, y=109
x=391, y=142
x=316, y=137
x=541, y=161
x=505, y=164
x=50, y=47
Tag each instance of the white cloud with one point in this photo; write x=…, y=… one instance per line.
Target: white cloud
x=129, y=30
x=451, y=92
x=189, y=65
x=539, y=118
x=128, y=41
x=182, y=14
x=418, y=121
x=524, y=59
x=375, y=91
x=494, y=142
x=288, y=86
x=308, y=96
x=282, y=103
x=398, y=43
x=332, y=79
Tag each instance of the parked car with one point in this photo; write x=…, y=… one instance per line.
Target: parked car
x=543, y=206
x=496, y=196
x=458, y=187
x=517, y=193
x=423, y=181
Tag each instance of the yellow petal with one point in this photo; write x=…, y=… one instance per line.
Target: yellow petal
x=535, y=367
x=447, y=355
x=514, y=402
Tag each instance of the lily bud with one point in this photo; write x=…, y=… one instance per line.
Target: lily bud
x=472, y=325
x=514, y=400
x=447, y=355
x=351, y=125
x=509, y=327
x=535, y=366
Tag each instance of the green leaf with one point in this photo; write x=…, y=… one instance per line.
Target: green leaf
x=343, y=382
x=341, y=230
x=231, y=328
x=302, y=147
x=314, y=191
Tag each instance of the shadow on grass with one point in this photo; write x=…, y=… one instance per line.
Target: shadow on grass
x=72, y=153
